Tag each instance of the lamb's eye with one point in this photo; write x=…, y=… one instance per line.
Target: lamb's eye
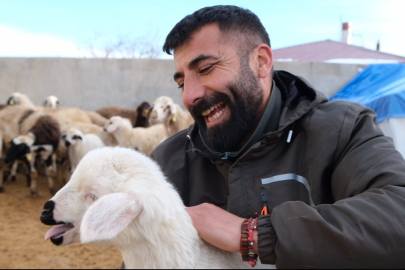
x=91, y=196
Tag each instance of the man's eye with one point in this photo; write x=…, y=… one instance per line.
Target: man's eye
x=206, y=69
x=181, y=86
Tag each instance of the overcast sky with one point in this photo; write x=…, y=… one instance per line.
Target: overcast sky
x=49, y=28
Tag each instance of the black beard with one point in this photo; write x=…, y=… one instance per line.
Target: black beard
x=244, y=103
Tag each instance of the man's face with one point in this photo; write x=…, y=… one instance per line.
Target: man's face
x=218, y=88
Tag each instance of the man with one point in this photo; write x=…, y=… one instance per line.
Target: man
x=332, y=183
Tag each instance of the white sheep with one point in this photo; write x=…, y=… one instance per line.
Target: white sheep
x=142, y=139
x=166, y=111
x=51, y=102
x=97, y=118
x=79, y=145
x=138, y=116
x=107, y=138
x=17, y=98
x=120, y=197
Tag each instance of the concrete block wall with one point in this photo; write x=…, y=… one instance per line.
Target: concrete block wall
x=94, y=83
x=325, y=77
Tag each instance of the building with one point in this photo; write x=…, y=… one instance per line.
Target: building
x=335, y=52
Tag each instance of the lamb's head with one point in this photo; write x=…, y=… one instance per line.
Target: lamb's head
x=14, y=99
x=18, y=98
x=19, y=146
x=51, y=102
x=115, y=123
x=104, y=195
x=71, y=136
x=164, y=109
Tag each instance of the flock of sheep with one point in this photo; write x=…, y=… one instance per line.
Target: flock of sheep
x=52, y=139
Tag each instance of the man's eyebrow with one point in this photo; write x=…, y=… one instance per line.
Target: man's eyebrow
x=178, y=75
x=194, y=63
x=200, y=58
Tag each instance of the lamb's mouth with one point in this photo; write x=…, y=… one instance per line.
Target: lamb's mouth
x=56, y=233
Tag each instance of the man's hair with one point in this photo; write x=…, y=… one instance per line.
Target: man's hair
x=230, y=19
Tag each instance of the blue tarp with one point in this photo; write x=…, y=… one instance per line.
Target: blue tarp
x=380, y=87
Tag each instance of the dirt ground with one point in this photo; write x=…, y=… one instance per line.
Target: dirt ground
x=22, y=244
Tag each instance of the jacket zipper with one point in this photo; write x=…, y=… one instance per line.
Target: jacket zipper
x=264, y=195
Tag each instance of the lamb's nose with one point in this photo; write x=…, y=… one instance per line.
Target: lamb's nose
x=47, y=213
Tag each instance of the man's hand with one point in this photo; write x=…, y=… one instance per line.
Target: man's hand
x=217, y=226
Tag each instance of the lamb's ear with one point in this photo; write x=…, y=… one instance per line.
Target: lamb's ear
x=111, y=127
x=172, y=109
x=108, y=216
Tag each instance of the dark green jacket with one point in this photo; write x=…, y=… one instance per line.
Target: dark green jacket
x=335, y=191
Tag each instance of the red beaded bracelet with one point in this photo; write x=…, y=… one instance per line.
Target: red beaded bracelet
x=247, y=241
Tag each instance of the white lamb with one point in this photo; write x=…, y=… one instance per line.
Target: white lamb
x=120, y=197
x=166, y=111
x=17, y=98
x=139, y=138
x=51, y=102
x=79, y=145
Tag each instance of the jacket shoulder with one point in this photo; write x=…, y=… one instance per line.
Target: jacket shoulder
x=171, y=148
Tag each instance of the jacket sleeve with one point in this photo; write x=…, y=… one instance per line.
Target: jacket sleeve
x=365, y=227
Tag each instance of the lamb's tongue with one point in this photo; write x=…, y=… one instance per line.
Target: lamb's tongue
x=58, y=230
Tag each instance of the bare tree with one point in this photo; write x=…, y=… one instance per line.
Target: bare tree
x=122, y=46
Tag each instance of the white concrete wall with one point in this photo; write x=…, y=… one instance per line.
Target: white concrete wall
x=93, y=83
x=325, y=77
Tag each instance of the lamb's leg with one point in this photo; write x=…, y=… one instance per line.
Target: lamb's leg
x=34, y=174
x=51, y=172
x=1, y=164
x=4, y=173
x=63, y=171
x=27, y=171
x=2, y=176
x=13, y=173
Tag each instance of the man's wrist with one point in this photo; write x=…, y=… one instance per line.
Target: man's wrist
x=248, y=241
x=256, y=244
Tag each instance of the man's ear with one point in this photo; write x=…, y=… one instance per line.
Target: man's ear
x=264, y=60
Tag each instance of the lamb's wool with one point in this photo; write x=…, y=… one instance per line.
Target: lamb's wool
x=166, y=111
x=141, y=139
x=79, y=145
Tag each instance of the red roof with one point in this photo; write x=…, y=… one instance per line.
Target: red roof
x=332, y=51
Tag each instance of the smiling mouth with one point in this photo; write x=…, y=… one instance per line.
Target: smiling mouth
x=214, y=112
x=56, y=233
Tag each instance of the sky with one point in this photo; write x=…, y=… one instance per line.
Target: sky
x=86, y=28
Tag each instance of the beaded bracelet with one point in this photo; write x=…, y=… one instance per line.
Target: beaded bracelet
x=247, y=241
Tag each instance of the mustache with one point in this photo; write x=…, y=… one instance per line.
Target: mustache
x=208, y=102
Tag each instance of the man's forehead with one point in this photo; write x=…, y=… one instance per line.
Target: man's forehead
x=202, y=47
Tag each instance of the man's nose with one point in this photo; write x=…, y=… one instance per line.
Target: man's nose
x=193, y=92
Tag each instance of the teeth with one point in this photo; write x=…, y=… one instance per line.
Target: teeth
x=215, y=116
x=205, y=113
